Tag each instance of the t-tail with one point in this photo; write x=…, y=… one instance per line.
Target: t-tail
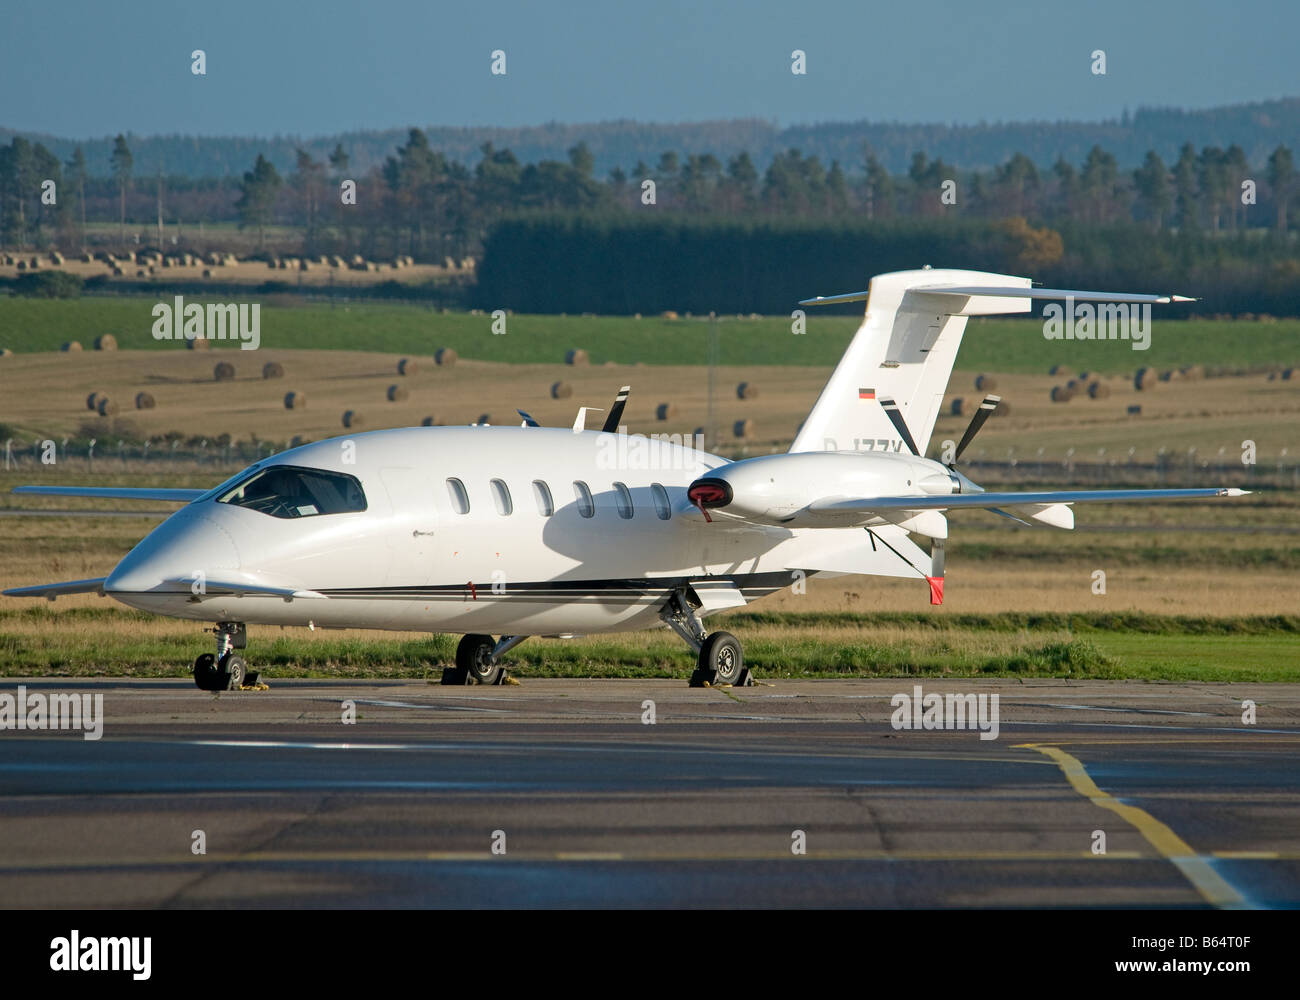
x=905, y=350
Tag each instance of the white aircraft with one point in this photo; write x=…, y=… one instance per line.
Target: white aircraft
x=532, y=531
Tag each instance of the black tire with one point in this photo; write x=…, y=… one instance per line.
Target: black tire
x=206, y=675
x=721, y=656
x=474, y=656
x=234, y=671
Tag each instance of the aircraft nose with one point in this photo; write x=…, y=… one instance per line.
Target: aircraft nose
x=182, y=547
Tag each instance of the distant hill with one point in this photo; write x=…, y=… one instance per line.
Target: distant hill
x=1257, y=127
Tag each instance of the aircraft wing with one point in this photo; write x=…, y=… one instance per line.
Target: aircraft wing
x=112, y=493
x=872, y=505
x=53, y=590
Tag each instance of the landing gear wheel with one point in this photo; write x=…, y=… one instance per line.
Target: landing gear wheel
x=206, y=675
x=720, y=656
x=474, y=656
x=234, y=671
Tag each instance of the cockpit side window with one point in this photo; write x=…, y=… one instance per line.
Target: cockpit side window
x=287, y=491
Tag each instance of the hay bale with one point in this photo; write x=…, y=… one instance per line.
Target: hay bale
x=668, y=314
x=957, y=405
x=1003, y=409
x=484, y=418
x=561, y=390
x=6, y=352
x=118, y=272
x=1060, y=371
x=198, y=344
x=71, y=346
x=746, y=390
x=1061, y=394
x=1192, y=373
x=1167, y=375
x=1287, y=373
x=397, y=394
x=430, y=421
x=87, y=258
x=1098, y=390
x=224, y=371
x=1144, y=378
x=351, y=418
x=105, y=407
x=144, y=401
x=294, y=400
x=207, y=272
x=576, y=356
x=304, y=265
x=444, y=357
x=1135, y=410
x=743, y=428
x=407, y=366
x=92, y=401
x=274, y=264
x=665, y=411
x=985, y=383
x=273, y=369
x=106, y=342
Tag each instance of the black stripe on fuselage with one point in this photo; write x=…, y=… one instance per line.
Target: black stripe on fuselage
x=758, y=584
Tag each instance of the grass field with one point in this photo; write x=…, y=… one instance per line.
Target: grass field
x=999, y=345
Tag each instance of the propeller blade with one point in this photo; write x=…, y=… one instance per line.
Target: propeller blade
x=616, y=414
x=1002, y=513
x=529, y=421
x=976, y=422
x=896, y=418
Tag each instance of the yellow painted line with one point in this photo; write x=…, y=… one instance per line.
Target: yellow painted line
x=1209, y=883
x=1249, y=855
x=588, y=856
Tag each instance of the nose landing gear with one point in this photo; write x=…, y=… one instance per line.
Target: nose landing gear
x=226, y=670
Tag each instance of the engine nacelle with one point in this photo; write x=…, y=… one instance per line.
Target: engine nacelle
x=774, y=489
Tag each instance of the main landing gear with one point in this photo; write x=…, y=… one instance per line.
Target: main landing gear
x=719, y=658
x=478, y=660
x=227, y=670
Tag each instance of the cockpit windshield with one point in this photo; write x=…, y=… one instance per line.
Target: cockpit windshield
x=286, y=491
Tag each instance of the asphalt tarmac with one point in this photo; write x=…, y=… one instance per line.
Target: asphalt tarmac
x=561, y=793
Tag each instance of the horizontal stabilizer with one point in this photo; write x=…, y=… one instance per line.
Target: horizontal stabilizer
x=112, y=493
x=990, y=291
x=1049, y=293
x=53, y=590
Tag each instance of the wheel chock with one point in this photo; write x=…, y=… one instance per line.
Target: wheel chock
x=455, y=676
x=703, y=678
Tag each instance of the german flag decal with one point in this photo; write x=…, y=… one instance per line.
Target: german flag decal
x=866, y=394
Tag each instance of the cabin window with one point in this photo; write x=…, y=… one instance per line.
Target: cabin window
x=582, y=493
x=501, y=497
x=459, y=498
x=286, y=491
x=663, y=508
x=542, y=494
x=623, y=500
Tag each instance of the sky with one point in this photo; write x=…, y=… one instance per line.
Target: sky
x=86, y=68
